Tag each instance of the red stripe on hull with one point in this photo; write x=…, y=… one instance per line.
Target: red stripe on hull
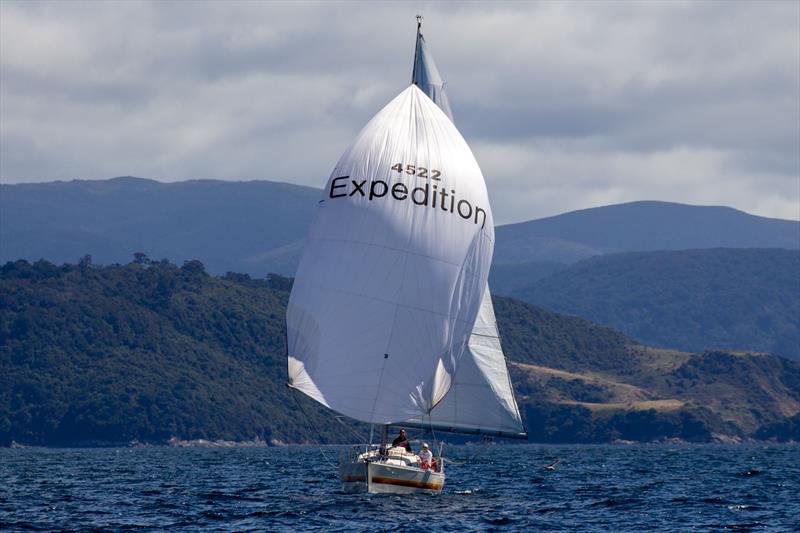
x=406, y=483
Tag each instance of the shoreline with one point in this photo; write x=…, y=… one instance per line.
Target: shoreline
x=259, y=443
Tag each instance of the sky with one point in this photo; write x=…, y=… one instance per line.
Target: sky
x=566, y=105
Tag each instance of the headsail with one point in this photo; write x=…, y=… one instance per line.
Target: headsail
x=481, y=399
x=425, y=74
x=391, y=278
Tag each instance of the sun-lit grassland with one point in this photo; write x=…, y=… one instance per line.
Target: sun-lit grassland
x=149, y=350
x=571, y=373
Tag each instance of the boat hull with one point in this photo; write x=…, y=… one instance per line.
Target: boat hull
x=380, y=478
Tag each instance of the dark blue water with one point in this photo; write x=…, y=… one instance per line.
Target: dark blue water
x=594, y=488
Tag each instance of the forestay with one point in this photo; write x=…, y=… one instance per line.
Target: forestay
x=391, y=278
x=481, y=399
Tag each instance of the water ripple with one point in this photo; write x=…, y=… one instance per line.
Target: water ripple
x=593, y=488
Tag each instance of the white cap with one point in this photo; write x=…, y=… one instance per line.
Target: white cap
x=424, y=444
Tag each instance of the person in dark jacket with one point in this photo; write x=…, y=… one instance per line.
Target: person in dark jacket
x=402, y=441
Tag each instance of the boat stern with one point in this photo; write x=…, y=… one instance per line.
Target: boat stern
x=354, y=476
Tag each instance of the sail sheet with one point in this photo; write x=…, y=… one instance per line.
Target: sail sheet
x=392, y=275
x=481, y=399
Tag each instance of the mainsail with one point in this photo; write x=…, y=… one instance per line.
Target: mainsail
x=481, y=399
x=392, y=275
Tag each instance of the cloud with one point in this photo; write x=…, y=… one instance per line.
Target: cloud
x=567, y=105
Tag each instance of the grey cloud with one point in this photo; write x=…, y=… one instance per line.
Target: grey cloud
x=566, y=104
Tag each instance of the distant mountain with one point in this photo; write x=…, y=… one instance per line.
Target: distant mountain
x=746, y=299
x=252, y=226
x=260, y=226
x=149, y=351
x=639, y=226
x=509, y=278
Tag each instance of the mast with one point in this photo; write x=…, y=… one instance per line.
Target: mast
x=416, y=51
x=426, y=76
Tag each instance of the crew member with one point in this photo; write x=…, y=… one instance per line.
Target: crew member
x=402, y=441
x=425, y=457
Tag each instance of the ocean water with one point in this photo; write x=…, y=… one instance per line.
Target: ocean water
x=496, y=487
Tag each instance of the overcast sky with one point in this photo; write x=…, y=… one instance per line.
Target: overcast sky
x=566, y=105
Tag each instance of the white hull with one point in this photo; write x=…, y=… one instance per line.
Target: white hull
x=397, y=472
x=378, y=478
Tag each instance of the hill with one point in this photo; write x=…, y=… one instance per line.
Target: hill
x=509, y=278
x=149, y=350
x=143, y=351
x=691, y=300
x=640, y=226
x=250, y=226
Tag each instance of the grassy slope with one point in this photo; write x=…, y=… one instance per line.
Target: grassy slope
x=569, y=362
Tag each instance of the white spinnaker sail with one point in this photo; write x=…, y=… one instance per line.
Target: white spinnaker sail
x=391, y=278
x=481, y=399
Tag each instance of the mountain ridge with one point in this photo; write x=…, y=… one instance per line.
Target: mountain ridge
x=259, y=226
x=658, y=226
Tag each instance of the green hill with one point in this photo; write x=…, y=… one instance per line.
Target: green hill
x=143, y=352
x=148, y=351
x=740, y=299
x=580, y=382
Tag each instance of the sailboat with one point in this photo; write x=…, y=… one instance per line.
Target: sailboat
x=390, y=320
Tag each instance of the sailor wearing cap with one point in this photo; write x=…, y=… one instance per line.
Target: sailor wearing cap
x=425, y=457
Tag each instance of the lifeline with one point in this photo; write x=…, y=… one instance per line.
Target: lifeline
x=421, y=196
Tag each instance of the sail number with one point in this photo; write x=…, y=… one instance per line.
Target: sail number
x=414, y=170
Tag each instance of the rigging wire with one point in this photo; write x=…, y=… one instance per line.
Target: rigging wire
x=319, y=435
x=358, y=437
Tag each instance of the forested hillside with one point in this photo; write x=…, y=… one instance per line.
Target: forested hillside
x=149, y=350
x=143, y=351
x=739, y=299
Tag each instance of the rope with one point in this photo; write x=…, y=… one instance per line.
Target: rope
x=319, y=435
x=358, y=437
